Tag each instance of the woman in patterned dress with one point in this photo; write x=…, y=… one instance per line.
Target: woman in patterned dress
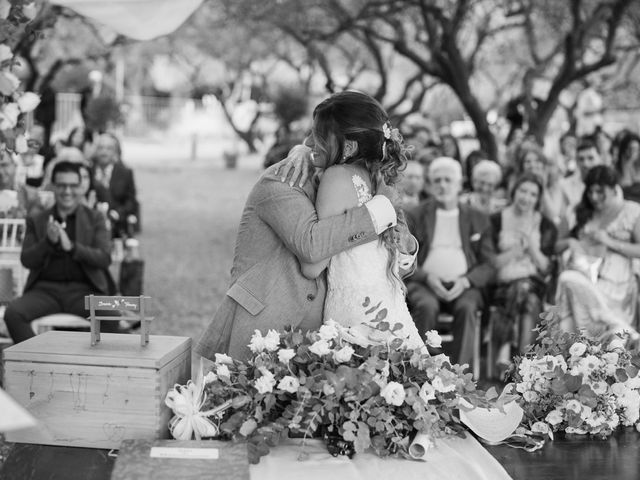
x=598, y=292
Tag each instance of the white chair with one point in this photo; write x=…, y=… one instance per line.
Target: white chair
x=59, y=320
x=11, y=232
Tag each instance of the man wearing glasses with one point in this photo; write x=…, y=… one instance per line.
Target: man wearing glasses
x=66, y=248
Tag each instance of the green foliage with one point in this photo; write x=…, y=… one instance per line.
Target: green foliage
x=577, y=384
x=314, y=383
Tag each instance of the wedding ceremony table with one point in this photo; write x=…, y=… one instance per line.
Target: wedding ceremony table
x=566, y=458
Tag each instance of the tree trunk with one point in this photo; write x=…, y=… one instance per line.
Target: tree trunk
x=479, y=118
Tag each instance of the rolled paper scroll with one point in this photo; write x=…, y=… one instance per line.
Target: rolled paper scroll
x=420, y=446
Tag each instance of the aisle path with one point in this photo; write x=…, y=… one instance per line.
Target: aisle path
x=190, y=214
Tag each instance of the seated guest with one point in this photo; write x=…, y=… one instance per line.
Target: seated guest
x=80, y=138
x=115, y=185
x=66, y=248
x=598, y=290
x=65, y=154
x=31, y=162
x=628, y=166
x=587, y=157
x=524, y=240
x=453, y=258
x=485, y=178
x=411, y=184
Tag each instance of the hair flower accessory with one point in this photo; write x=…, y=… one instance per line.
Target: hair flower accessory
x=386, y=130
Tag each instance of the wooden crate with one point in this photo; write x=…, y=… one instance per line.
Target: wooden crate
x=95, y=396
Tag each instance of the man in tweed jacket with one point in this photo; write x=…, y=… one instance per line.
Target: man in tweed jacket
x=279, y=228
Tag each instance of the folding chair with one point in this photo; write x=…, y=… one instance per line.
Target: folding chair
x=134, y=308
x=11, y=232
x=12, y=273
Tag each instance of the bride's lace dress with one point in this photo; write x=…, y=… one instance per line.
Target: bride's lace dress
x=363, y=297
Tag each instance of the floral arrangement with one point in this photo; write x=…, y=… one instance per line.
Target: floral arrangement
x=576, y=384
x=319, y=383
x=14, y=15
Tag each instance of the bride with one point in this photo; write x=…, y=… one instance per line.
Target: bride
x=356, y=150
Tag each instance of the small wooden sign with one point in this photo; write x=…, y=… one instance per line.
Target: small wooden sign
x=173, y=459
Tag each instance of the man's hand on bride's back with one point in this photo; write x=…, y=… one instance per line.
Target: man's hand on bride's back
x=296, y=169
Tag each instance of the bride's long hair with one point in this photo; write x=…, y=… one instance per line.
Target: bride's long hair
x=358, y=117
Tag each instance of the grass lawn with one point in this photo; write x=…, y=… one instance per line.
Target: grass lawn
x=190, y=216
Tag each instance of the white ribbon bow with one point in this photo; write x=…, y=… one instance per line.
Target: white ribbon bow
x=186, y=402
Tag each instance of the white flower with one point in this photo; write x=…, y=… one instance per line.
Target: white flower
x=223, y=371
x=440, y=360
x=9, y=116
x=256, y=345
x=286, y=354
x=586, y=412
x=574, y=405
x=554, y=417
x=272, y=341
x=5, y=7
x=433, y=339
x=530, y=396
x=21, y=144
x=9, y=83
x=439, y=385
x=328, y=331
x=619, y=389
x=344, y=354
x=320, y=348
x=595, y=420
x=599, y=387
x=393, y=393
x=221, y=358
x=30, y=10
x=265, y=383
x=633, y=382
x=540, y=427
x=5, y=53
x=577, y=349
x=210, y=377
x=248, y=427
x=427, y=392
x=289, y=384
x=28, y=101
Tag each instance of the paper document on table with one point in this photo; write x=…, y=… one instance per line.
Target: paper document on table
x=492, y=424
x=13, y=417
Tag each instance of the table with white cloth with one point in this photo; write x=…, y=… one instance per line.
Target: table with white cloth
x=567, y=458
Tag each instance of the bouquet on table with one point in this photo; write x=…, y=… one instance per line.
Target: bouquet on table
x=322, y=383
x=575, y=384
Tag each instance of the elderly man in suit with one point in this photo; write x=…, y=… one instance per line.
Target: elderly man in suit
x=452, y=265
x=279, y=228
x=115, y=185
x=66, y=248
